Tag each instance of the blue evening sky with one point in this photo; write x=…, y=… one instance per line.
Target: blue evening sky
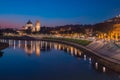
x=57, y=12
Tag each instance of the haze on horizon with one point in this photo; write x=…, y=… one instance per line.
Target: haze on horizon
x=15, y=13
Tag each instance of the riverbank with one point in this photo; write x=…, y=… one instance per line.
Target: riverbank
x=98, y=56
x=108, y=49
x=103, y=52
x=78, y=41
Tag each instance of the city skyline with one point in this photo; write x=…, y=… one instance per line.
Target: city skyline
x=52, y=13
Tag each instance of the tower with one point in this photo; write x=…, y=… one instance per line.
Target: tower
x=37, y=26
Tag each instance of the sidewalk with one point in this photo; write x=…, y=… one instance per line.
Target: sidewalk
x=108, y=50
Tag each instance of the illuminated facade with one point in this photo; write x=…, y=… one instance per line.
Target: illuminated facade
x=114, y=34
x=29, y=26
x=37, y=26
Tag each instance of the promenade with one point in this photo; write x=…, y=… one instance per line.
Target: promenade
x=107, y=49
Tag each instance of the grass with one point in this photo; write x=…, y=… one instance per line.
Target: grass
x=78, y=41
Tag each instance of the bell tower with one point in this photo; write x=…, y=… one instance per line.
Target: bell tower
x=37, y=26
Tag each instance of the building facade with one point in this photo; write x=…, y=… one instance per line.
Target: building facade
x=33, y=28
x=37, y=26
x=114, y=34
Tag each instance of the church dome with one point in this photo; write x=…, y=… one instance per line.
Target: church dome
x=29, y=22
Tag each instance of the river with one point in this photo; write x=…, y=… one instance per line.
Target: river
x=41, y=60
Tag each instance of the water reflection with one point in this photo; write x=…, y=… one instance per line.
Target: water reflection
x=1, y=54
x=96, y=65
x=36, y=47
x=31, y=47
x=100, y=67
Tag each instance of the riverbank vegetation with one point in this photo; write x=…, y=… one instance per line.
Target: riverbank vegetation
x=78, y=41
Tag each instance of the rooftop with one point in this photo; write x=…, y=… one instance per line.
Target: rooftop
x=29, y=22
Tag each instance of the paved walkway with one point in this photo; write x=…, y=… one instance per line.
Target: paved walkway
x=107, y=49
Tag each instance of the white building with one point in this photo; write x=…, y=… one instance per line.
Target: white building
x=29, y=26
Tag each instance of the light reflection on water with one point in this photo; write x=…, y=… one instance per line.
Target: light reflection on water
x=39, y=47
x=36, y=46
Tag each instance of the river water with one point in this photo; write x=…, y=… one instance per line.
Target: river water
x=41, y=60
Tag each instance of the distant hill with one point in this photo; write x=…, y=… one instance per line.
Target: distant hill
x=115, y=20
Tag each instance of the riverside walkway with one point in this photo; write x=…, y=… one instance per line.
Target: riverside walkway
x=107, y=49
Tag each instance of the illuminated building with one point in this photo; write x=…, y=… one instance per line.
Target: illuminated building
x=114, y=33
x=37, y=26
x=29, y=26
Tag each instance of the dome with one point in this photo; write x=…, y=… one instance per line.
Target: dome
x=29, y=22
